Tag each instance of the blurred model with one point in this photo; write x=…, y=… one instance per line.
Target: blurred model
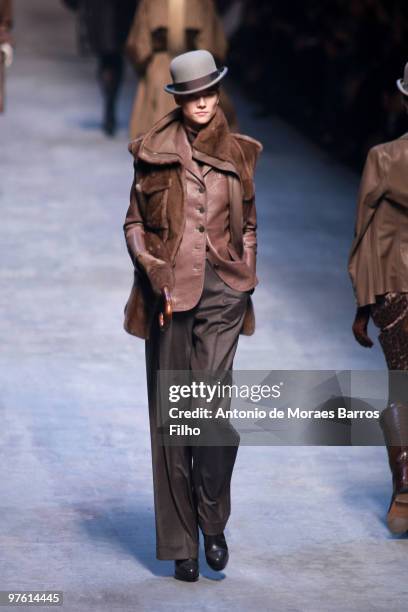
x=107, y=24
x=161, y=30
x=6, y=49
x=378, y=266
x=191, y=233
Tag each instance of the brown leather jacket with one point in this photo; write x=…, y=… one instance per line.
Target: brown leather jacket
x=155, y=218
x=206, y=233
x=378, y=261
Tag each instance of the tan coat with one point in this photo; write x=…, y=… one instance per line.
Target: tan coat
x=378, y=261
x=198, y=27
x=156, y=217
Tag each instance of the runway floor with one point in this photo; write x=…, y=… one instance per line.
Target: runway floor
x=307, y=529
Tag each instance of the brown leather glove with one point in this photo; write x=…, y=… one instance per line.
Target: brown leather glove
x=166, y=313
x=360, y=325
x=159, y=272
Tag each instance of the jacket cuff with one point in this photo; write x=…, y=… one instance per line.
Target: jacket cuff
x=250, y=258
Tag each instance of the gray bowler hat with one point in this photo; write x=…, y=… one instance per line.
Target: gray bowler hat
x=402, y=84
x=194, y=71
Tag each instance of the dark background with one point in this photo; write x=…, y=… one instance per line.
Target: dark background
x=327, y=66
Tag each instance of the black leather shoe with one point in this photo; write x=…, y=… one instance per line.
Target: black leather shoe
x=109, y=125
x=186, y=569
x=216, y=551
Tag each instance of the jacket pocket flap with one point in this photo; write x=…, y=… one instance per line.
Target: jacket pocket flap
x=152, y=184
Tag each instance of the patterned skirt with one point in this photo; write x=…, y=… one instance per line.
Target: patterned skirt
x=390, y=314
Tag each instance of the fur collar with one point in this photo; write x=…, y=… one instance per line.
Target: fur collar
x=214, y=143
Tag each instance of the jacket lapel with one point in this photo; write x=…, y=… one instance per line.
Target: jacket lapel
x=184, y=149
x=206, y=169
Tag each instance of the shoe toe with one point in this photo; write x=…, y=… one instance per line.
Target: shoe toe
x=217, y=559
x=187, y=570
x=216, y=552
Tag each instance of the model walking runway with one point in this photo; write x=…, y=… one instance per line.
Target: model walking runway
x=77, y=498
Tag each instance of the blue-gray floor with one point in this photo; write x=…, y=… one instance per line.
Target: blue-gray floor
x=307, y=529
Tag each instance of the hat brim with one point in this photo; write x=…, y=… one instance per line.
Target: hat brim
x=172, y=88
x=400, y=85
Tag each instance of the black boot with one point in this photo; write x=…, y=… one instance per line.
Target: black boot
x=110, y=72
x=394, y=423
x=186, y=569
x=216, y=551
x=109, y=119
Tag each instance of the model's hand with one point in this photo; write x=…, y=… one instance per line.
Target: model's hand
x=165, y=315
x=360, y=326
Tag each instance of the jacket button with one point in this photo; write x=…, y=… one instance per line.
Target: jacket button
x=201, y=209
x=207, y=248
x=216, y=265
x=201, y=189
x=201, y=228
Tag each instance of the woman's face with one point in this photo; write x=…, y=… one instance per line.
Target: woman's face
x=199, y=108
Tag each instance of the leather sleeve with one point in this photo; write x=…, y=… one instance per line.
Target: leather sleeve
x=159, y=272
x=252, y=149
x=372, y=187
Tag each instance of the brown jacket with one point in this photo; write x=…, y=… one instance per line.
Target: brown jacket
x=156, y=36
x=156, y=216
x=5, y=20
x=207, y=232
x=378, y=261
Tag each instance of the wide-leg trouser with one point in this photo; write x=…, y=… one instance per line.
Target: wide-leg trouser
x=192, y=483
